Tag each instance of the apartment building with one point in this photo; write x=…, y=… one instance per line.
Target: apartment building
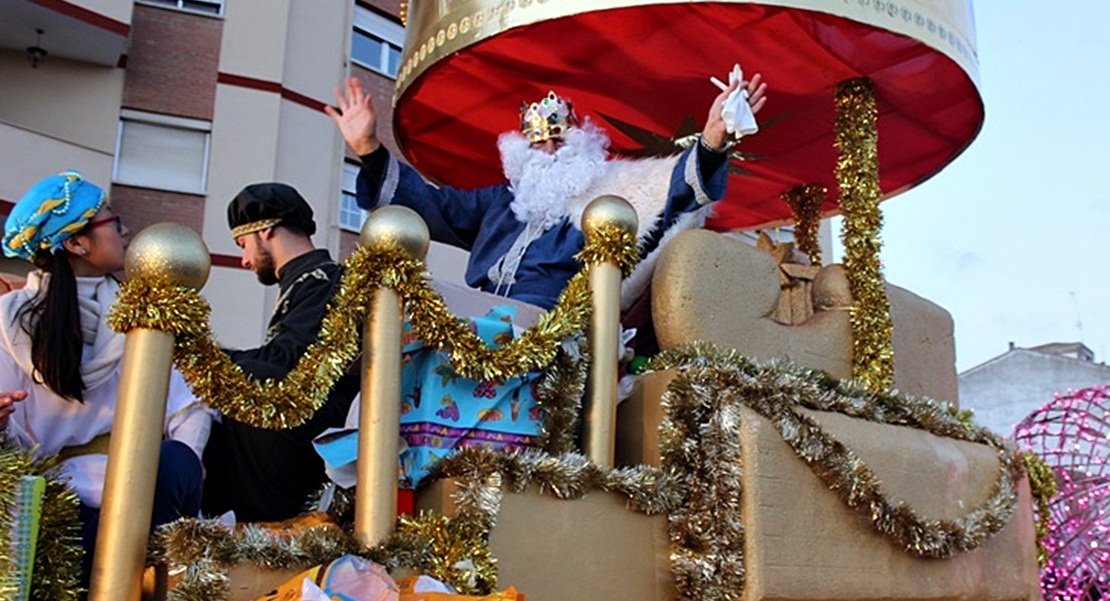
x=175, y=105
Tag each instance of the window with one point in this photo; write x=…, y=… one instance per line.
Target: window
x=162, y=152
x=207, y=7
x=376, y=42
x=350, y=216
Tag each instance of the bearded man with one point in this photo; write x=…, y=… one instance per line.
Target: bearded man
x=268, y=475
x=522, y=235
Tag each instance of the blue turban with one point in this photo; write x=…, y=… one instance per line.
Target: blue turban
x=51, y=211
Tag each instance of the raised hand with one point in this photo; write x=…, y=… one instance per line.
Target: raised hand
x=715, y=132
x=7, y=405
x=355, y=118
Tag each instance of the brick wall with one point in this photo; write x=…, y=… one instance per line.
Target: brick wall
x=390, y=8
x=141, y=207
x=348, y=242
x=380, y=90
x=172, y=63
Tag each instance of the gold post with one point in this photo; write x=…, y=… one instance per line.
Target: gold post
x=600, y=407
x=177, y=253
x=379, y=421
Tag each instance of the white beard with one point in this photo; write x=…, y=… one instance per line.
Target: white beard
x=543, y=184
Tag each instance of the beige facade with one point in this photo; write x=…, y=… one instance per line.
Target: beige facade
x=125, y=84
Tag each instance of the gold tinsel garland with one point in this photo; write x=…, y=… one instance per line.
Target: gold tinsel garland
x=203, y=551
x=10, y=473
x=857, y=175
x=699, y=438
x=559, y=394
x=1042, y=485
x=58, y=554
x=698, y=486
x=776, y=392
x=805, y=203
x=147, y=303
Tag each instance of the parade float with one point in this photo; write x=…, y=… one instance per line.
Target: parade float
x=797, y=435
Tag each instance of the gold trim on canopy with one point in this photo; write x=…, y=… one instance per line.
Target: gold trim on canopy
x=440, y=28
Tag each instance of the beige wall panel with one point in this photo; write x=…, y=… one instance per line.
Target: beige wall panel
x=120, y=10
x=309, y=158
x=316, y=47
x=244, y=151
x=254, y=38
x=29, y=157
x=240, y=307
x=32, y=100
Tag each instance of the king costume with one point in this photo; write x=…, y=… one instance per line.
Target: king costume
x=527, y=253
x=665, y=193
x=523, y=236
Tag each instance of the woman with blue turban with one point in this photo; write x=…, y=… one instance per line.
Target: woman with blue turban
x=60, y=362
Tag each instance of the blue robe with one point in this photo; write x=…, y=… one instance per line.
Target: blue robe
x=442, y=411
x=482, y=222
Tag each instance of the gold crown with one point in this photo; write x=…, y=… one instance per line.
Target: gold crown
x=547, y=119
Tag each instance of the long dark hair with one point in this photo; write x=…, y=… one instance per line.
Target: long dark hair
x=53, y=321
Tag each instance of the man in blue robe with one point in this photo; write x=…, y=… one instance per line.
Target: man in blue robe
x=522, y=235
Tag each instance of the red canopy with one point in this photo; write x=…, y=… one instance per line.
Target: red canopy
x=642, y=72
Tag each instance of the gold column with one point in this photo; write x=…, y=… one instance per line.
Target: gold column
x=380, y=409
x=177, y=253
x=600, y=407
x=857, y=174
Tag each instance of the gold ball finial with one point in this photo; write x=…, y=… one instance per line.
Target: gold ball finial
x=609, y=210
x=169, y=250
x=396, y=227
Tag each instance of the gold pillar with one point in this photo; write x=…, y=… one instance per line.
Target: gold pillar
x=379, y=421
x=176, y=253
x=600, y=406
x=857, y=174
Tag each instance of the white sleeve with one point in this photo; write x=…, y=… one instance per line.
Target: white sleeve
x=11, y=379
x=187, y=419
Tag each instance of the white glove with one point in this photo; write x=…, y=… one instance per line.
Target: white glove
x=736, y=112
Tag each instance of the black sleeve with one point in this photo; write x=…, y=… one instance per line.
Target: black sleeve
x=295, y=332
x=374, y=163
x=709, y=161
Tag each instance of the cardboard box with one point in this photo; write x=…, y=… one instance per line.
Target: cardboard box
x=248, y=582
x=587, y=549
x=804, y=543
x=712, y=288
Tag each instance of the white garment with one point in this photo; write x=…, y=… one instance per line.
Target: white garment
x=94, y=297
x=46, y=422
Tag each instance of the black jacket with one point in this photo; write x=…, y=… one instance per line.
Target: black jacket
x=268, y=475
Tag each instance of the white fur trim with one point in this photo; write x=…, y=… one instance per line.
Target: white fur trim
x=633, y=286
x=392, y=177
x=644, y=183
x=693, y=178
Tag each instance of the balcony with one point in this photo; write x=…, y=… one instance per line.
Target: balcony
x=91, y=31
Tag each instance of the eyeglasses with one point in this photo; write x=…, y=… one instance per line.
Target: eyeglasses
x=114, y=219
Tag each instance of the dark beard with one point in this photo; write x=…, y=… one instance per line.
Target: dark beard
x=265, y=271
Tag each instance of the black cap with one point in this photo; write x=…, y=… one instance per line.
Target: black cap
x=260, y=206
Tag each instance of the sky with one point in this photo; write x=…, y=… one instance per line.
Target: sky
x=1012, y=237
